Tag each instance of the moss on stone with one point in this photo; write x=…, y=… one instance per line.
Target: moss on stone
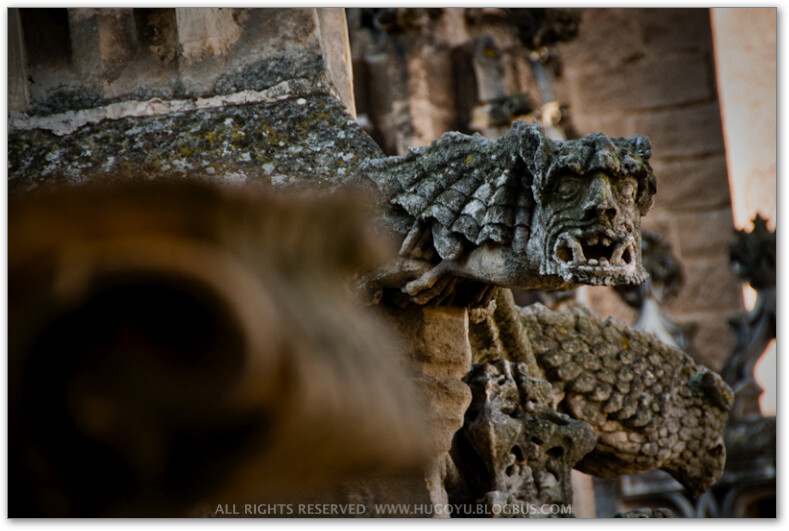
x=308, y=137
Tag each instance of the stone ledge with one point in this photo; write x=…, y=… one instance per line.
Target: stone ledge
x=305, y=136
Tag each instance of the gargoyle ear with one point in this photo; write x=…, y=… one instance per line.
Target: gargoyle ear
x=531, y=144
x=642, y=146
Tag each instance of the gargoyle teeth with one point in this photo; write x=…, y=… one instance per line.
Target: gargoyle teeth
x=577, y=249
x=594, y=249
x=569, y=250
x=623, y=252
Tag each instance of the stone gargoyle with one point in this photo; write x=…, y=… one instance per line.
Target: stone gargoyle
x=477, y=216
x=521, y=212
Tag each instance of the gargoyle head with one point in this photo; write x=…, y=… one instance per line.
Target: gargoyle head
x=589, y=197
x=521, y=212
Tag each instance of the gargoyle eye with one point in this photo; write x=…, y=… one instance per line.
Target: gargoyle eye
x=627, y=190
x=568, y=186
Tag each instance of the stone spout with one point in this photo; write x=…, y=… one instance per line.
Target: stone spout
x=521, y=212
x=176, y=344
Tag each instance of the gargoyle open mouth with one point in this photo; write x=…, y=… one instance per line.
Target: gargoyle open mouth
x=595, y=249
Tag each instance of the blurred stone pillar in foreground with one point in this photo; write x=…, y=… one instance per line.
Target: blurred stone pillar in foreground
x=176, y=349
x=117, y=289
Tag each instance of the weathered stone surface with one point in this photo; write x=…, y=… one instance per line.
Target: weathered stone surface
x=431, y=94
x=692, y=131
x=665, y=280
x=675, y=29
x=301, y=134
x=703, y=236
x=498, y=333
x=701, y=183
x=389, y=89
x=606, y=303
x=451, y=63
x=645, y=392
x=614, y=124
x=637, y=392
x=488, y=69
x=515, y=450
x=654, y=82
x=18, y=88
x=688, y=148
x=709, y=283
x=661, y=221
x=440, y=355
x=496, y=212
x=220, y=51
x=336, y=51
x=98, y=38
x=605, y=36
x=646, y=512
x=207, y=32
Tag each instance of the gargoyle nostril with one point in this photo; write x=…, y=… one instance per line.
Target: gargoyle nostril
x=563, y=252
x=594, y=212
x=626, y=256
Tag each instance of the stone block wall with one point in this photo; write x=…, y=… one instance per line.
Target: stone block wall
x=215, y=93
x=74, y=59
x=651, y=72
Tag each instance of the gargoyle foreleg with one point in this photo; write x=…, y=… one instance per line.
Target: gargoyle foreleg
x=392, y=275
x=433, y=283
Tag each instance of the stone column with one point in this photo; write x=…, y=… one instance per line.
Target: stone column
x=18, y=89
x=440, y=358
x=336, y=48
x=104, y=42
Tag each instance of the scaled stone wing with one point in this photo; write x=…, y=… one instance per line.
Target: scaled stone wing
x=459, y=191
x=651, y=405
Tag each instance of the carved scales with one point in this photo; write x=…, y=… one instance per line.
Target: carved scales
x=522, y=212
x=473, y=189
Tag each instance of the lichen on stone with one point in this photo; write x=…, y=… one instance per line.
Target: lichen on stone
x=651, y=405
x=522, y=212
x=307, y=137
